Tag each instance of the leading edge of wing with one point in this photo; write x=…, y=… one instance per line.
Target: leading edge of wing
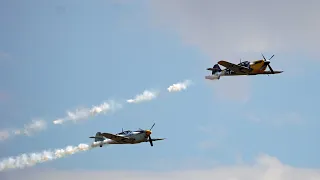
x=268, y=72
x=158, y=139
x=234, y=67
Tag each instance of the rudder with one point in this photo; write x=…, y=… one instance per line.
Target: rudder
x=217, y=67
x=98, y=137
x=214, y=69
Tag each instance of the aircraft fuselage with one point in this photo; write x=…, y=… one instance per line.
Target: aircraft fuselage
x=136, y=136
x=258, y=66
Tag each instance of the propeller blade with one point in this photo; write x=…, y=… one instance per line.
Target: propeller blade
x=271, y=57
x=152, y=126
x=263, y=57
x=150, y=140
x=271, y=69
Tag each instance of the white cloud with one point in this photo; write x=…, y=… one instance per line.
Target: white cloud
x=207, y=145
x=4, y=55
x=233, y=29
x=277, y=120
x=3, y=95
x=4, y=134
x=264, y=168
x=222, y=28
x=232, y=88
x=213, y=136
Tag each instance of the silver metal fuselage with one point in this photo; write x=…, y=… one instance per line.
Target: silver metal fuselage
x=138, y=137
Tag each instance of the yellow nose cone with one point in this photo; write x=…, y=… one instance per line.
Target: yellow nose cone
x=148, y=132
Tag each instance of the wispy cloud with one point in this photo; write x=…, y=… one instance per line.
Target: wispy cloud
x=265, y=168
x=214, y=136
x=230, y=32
x=206, y=25
x=4, y=55
x=3, y=96
x=279, y=120
x=4, y=134
x=207, y=144
x=224, y=89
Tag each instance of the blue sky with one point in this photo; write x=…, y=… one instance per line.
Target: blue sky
x=64, y=54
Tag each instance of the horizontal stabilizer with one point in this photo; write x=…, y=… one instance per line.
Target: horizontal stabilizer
x=98, y=137
x=214, y=69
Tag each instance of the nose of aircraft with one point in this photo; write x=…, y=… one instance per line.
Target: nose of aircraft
x=267, y=62
x=148, y=132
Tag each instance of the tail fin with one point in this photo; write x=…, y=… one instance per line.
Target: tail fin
x=98, y=137
x=214, y=69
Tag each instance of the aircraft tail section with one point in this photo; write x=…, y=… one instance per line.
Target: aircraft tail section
x=216, y=66
x=98, y=137
x=214, y=69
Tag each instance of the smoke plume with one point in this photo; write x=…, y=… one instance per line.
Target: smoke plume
x=85, y=113
x=145, y=96
x=179, y=86
x=28, y=130
x=31, y=159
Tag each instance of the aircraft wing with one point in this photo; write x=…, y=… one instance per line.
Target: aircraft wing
x=117, y=138
x=268, y=72
x=234, y=67
x=158, y=139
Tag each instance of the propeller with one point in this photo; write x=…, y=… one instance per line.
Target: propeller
x=148, y=132
x=152, y=126
x=268, y=63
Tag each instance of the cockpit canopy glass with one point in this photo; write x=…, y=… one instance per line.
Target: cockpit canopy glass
x=244, y=63
x=125, y=132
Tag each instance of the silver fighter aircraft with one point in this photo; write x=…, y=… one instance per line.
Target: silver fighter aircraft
x=125, y=137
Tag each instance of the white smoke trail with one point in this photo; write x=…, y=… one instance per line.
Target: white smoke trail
x=28, y=130
x=28, y=160
x=4, y=134
x=179, y=86
x=145, y=96
x=81, y=114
